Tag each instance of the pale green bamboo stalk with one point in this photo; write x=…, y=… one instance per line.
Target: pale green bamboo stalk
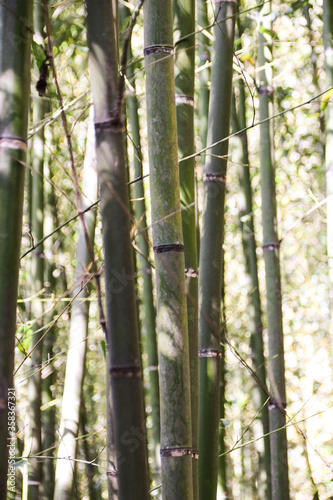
x=328, y=45
x=277, y=404
x=142, y=259
x=112, y=480
x=123, y=337
x=212, y=234
x=203, y=74
x=33, y=433
x=48, y=429
x=176, y=429
x=223, y=490
x=315, y=73
x=90, y=452
x=33, y=436
x=73, y=385
x=15, y=45
x=241, y=158
x=184, y=27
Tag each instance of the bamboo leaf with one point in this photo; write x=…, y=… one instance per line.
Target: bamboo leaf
x=298, y=4
x=39, y=53
x=103, y=348
x=325, y=98
x=24, y=342
x=247, y=57
x=267, y=31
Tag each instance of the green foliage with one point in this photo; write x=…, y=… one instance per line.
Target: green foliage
x=24, y=332
x=299, y=4
x=39, y=53
x=103, y=347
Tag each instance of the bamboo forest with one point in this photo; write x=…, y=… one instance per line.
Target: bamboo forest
x=166, y=249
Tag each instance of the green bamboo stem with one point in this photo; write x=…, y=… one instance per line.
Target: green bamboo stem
x=203, y=74
x=71, y=401
x=176, y=429
x=33, y=434
x=15, y=46
x=112, y=480
x=328, y=45
x=277, y=405
x=90, y=452
x=315, y=74
x=184, y=27
x=210, y=275
x=48, y=381
x=123, y=337
x=222, y=486
x=142, y=259
x=241, y=158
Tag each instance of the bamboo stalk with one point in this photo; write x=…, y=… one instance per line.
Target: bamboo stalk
x=241, y=157
x=73, y=384
x=277, y=405
x=123, y=338
x=184, y=27
x=15, y=45
x=176, y=429
x=143, y=264
x=49, y=378
x=212, y=234
x=33, y=434
x=203, y=74
x=223, y=490
x=328, y=45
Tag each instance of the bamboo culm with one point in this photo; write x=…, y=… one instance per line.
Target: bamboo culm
x=126, y=385
x=276, y=370
x=184, y=27
x=15, y=49
x=212, y=235
x=176, y=428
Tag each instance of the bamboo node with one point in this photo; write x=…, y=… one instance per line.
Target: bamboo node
x=215, y=178
x=280, y=405
x=184, y=99
x=271, y=245
x=265, y=90
x=152, y=368
x=125, y=371
x=176, y=452
x=111, y=473
x=158, y=49
x=191, y=273
x=13, y=143
x=168, y=247
x=210, y=353
x=113, y=124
